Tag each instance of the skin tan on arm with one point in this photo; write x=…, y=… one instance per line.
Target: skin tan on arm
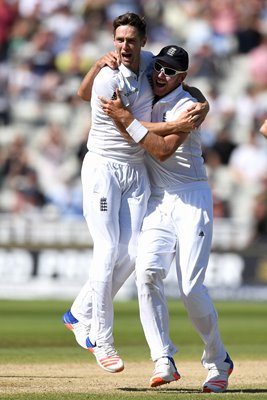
x=85, y=90
x=116, y=110
x=161, y=147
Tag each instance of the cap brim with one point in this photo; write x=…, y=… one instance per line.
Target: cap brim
x=170, y=62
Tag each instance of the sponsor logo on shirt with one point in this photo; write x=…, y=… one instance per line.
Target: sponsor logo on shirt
x=130, y=92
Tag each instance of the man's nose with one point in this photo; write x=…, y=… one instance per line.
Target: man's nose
x=125, y=44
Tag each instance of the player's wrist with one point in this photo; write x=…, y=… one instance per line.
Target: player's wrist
x=136, y=130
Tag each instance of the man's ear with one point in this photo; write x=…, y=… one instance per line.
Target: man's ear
x=183, y=76
x=143, y=41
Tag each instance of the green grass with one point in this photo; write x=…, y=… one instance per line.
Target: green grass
x=32, y=332
x=31, y=325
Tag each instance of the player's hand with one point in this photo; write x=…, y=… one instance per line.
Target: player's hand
x=116, y=110
x=198, y=112
x=185, y=122
x=110, y=59
x=113, y=108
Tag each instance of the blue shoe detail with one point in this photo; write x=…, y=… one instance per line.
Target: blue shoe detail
x=89, y=344
x=68, y=318
x=172, y=361
x=230, y=362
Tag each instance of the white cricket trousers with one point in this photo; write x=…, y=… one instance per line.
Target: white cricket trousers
x=115, y=196
x=177, y=225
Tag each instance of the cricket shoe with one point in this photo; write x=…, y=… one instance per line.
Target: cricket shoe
x=106, y=357
x=80, y=330
x=217, y=379
x=165, y=372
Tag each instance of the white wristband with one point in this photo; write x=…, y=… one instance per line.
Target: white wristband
x=136, y=130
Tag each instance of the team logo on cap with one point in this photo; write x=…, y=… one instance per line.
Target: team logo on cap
x=171, y=51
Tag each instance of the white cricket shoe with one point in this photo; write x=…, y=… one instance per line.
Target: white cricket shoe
x=80, y=330
x=106, y=356
x=165, y=372
x=217, y=379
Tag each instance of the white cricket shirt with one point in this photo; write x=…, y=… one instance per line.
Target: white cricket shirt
x=104, y=137
x=186, y=165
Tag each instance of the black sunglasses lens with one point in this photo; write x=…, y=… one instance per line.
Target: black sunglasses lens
x=169, y=71
x=157, y=66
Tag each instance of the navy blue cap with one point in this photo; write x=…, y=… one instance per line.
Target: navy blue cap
x=175, y=56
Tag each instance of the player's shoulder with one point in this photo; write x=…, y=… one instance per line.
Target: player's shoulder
x=106, y=76
x=182, y=100
x=146, y=57
x=107, y=73
x=186, y=97
x=106, y=82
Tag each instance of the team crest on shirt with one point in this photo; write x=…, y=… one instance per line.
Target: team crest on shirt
x=114, y=96
x=103, y=204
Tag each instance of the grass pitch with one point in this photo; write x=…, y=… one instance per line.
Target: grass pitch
x=39, y=358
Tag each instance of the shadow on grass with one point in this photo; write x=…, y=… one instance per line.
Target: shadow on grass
x=40, y=377
x=181, y=390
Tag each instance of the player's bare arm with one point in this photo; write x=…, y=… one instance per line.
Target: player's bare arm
x=110, y=59
x=116, y=110
x=263, y=129
x=161, y=147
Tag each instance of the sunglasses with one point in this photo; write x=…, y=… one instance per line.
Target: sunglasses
x=166, y=70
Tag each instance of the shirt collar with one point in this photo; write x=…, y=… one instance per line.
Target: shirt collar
x=128, y=73
x=172, y=95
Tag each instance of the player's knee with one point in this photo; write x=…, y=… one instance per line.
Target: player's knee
x=147, y=279
x=107, y=254
x=189, y=291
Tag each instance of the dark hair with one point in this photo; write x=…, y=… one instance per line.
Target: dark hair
x=131, y=19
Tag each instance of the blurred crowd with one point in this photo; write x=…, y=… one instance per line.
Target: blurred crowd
x=47, y=46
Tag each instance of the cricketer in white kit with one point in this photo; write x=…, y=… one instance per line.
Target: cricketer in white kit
x=178, y=225
x=115, y=193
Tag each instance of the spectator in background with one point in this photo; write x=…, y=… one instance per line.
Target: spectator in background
x=56, y=164
x=5, y=117
x=247, y=105
x=248, y=166
x=224, y=145
x=29, y=196
x=205, y=64
x=247, y=33
x=8, y=15
x=220, y=182
x=260, y=216
x=258, y=65
x=19, y=182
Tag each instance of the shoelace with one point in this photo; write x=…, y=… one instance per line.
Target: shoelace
x=105, y=351
x=79, y=327
x=214, y=372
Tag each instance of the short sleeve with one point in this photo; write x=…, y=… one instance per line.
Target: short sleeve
x=106, y=83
